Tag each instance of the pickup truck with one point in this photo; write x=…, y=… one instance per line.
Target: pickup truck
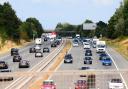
x=116, y=84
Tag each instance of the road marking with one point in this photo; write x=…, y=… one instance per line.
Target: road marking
x=8, y=87
x=118, y=70
x=59, y=64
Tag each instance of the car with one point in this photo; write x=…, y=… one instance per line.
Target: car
x=53, y=44
x=24, y=64
x=6, y=78
x=107, y=61
x=17, y=58
x=75, y=44
x=87, y=46
x=14, y=51
x=59, y=38
x=46, y=49
x=85, y=68
x=32, y=50
x=87, y=60
x=68, y=58
x=45, y=39
x=116, y=83
x=81, y=84
x=5, y=70
x=37, y=47
x=102, y=55
x=57, y=42
x=38, y=54
x=48, y=84
x=3, y=65
x=88, y=52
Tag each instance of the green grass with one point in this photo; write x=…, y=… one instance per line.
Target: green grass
x=118, y=45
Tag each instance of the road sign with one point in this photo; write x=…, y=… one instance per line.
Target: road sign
x=89, y=26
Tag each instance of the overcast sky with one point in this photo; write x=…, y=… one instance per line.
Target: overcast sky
x=50, y=12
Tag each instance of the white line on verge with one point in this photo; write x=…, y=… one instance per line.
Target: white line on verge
x=118, y=70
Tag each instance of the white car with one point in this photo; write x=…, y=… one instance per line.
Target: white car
x=37, y=47
x=116, y=84
x=75, y=44
x=87, y=46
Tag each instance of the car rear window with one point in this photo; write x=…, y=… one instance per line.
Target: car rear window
x=116, y=81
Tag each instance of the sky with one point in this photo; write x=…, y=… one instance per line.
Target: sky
x=51, y=12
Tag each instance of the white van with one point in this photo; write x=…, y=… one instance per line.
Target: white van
x=100, y=46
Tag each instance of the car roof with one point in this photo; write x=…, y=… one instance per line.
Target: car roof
x=24, y=61
x=45, y=48
x=88, y=58
x=2, y=61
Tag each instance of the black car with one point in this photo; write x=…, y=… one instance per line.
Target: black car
x=84, y=68
x=102, y=56
x=3, y=65
x=87, y=60
x=17, y=58
x=14, y=51
x=24, y=64
x=54, y=45
x=68, y=58
x=38, y=54
x=88, y=52
x=46, y=49
x=45, y=39
x=32, y=50
x=57, y=42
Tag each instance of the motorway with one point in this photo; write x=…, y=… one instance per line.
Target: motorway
x=66, y=81
x=26, y=56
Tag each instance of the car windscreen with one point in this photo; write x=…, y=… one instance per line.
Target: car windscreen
x=101, y=46
x=116, y=81
x=68, y=57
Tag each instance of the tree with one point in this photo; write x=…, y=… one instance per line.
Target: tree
x=35, y=26
x=101, y=29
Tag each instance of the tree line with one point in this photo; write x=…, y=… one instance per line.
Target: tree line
x=12, y=28
x=117, y=25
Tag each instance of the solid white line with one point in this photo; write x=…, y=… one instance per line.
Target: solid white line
x=58, y=50
x=118, y=70
x=8, y=87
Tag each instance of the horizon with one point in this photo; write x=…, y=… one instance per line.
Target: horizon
x=52, y=12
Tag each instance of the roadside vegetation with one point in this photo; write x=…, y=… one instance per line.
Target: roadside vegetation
x=115, y=31
x=120, y=45
x=15, y=31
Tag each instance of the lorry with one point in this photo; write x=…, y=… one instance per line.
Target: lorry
x=38, y=41
x=100, y=46
x=94, y=41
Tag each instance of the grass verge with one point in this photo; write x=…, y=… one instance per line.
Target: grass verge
x=120, y=45
x=9, y=44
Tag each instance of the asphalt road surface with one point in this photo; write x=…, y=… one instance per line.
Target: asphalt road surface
x=66, y=81
x=24, y=52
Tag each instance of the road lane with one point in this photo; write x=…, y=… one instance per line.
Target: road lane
x=26, y=56
x=64, y=81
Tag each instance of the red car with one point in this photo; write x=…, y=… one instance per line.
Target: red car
x=48, y=84
x=81, y=84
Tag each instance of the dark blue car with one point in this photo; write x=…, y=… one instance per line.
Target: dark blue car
x=106, y=61
x=102, y=55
